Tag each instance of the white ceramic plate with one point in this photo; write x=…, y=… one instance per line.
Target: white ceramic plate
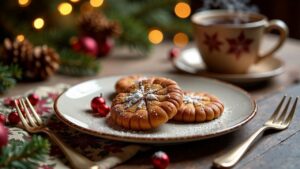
x=72, y=107
x=190, y=62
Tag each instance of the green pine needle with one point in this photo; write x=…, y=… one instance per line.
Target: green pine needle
x=9, y=76
x=28, y=155
x=77, y=64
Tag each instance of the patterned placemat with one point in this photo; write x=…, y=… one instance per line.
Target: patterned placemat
x=107, y=153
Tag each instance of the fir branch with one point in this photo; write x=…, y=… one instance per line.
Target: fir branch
x=9, y=76
x=77, y=64
x=134, y=35
x=25, y=156
x=56, y=38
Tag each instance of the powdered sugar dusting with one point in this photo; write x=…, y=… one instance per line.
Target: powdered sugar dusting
x=191, y=99
x=141, y=96
x=151, y=96
x=171, y=129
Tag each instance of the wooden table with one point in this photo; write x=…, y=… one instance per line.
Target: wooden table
x=200, y=154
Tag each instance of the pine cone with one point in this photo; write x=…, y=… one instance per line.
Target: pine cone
x=36, y=63
x=96, y=25
x=16, y=51
x=43, y=63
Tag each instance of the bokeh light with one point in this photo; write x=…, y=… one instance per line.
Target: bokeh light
x=20, y=37
x=24, y=3
x=64, y=8
x=155, y=36
x=38, y=23
x=74, y=1
x=182, y=10
x=180, y=39
x=96, y=3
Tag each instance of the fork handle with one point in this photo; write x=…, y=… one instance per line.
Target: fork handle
x=76, y=160
x=230, y=158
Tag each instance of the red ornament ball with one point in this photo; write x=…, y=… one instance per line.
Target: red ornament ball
x=2, y=118
x=86, y=45
x=3, y=135
x=13, y=118
x=97, y=102
x=105, y=47
x=174, y=53
x=33, y=98
x=160, y=160
x=103, y=110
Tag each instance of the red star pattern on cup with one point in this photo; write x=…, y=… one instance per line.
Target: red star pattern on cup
x=212, y=42
x=239, y=45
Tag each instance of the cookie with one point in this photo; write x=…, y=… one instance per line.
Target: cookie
x=199, y=107
x=124, y=83
x=147, y=104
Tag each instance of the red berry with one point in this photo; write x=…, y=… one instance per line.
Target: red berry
x=2, y=118
x=33, y=98
x=10, y=102
x=103, y=110
x=173, y=53
x=97, y=102
x=3, y=135
x=160, y=160
x=13, y=118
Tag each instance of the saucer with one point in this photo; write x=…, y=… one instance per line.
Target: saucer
x=189, y=61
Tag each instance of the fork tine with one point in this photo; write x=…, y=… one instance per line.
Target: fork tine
x=292, y=112
x=28, y=114
x=274, y=115
x=283, y=114
x=37, y=117
x=23, y=120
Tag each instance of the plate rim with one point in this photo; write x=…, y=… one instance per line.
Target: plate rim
x=232, y=77
x=160, y=140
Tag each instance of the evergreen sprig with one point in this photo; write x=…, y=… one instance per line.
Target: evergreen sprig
x=77, y=64
x=8, y=76
x=25, y=156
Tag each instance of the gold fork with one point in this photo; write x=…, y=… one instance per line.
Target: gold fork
x=33, y=124
x=278, y=121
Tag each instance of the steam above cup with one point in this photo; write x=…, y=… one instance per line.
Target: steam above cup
x=229, y=42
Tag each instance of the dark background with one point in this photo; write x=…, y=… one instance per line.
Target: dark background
x=286, y=10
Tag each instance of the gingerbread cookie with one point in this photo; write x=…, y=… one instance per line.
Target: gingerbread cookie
x=148, y=104
x=199, y=107
x=124, y=83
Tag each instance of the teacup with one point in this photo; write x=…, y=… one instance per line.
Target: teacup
x=229, y=42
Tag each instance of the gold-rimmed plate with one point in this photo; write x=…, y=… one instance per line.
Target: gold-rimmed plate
x=72, y=107
x=189, y=61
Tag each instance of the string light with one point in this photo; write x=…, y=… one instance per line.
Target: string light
x=24, y=3
x=182, y=10
x=155, y=36
x=38, y=23
x=180, y=39
x=20, y=37
x=96, y=3
x=74, y=1
x=64, y=8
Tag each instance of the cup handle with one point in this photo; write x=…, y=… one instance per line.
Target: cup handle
x=283, y=31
